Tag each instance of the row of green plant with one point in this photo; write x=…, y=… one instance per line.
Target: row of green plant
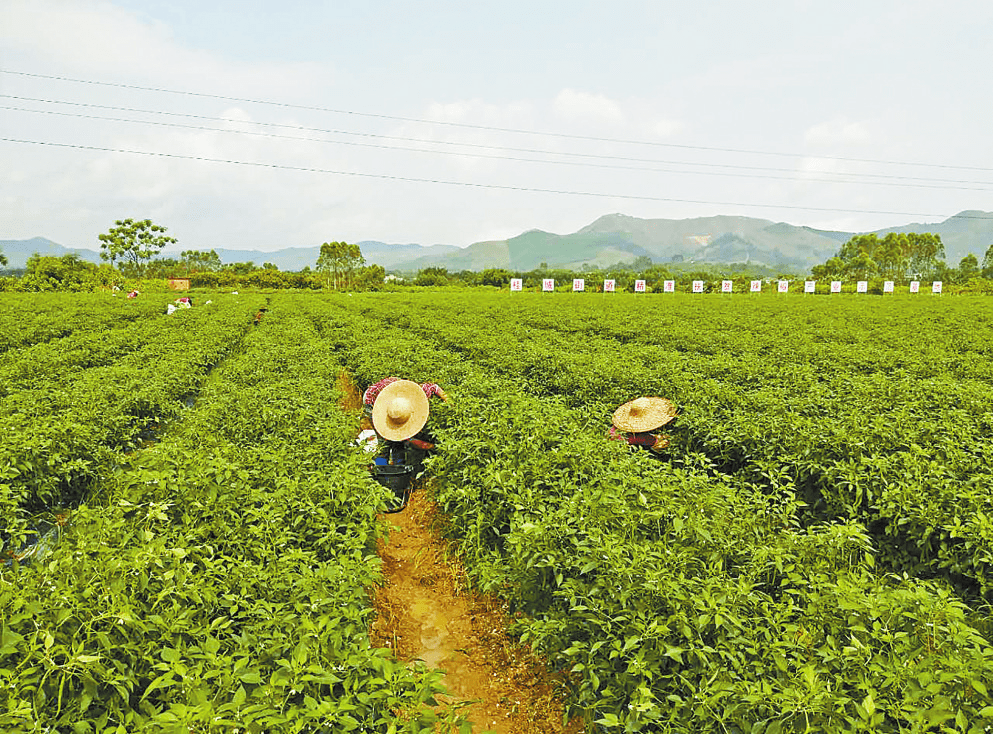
x=59, y=436
x=219, y=580
x=58, y=362
x=27, y=319
x=673, y=596
x=846, y=413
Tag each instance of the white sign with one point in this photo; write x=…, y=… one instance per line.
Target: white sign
x=608, y=286
x=887, y=286
x=726, y=286
x=698, y=286
x=548, y=284
x=808, y=286
x=836, y=286
x=578, y=284
x=516, y=284
x=936, y=286
x=862, y=286
x=639, y=286
x=784, y=286
x=669, y=286
x=756, y=286
x=915, y=286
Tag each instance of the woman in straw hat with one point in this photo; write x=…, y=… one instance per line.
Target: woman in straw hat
x=399, y=410
x=635, y=420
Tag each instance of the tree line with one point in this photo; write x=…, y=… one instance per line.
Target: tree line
x=902, y=256
x=130, y=251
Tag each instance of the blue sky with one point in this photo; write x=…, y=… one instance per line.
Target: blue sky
x=450, y=122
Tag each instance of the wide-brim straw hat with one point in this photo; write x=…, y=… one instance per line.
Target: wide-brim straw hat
x=400, y=410
x=644, y=414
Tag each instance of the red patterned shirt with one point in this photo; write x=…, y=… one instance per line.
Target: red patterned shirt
x=372, y=392
x=634, y=439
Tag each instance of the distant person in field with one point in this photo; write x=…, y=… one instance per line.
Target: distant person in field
x=184, y=302
x=637, y=420
x=399, y=410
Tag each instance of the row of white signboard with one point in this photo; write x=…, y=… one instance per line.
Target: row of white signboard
x=669, y=286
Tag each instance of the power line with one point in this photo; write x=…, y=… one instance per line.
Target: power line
x=469, y=126
x=570, y=154
x=984, y=186
x=468, y=184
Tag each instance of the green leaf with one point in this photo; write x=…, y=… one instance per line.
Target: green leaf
x=869, y=705
x=609, y=720
x=251, y=676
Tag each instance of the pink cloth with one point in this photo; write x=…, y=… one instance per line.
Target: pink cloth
x=372, y=392
x=634, y=439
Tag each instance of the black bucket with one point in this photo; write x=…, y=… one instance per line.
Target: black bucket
x=397, y=479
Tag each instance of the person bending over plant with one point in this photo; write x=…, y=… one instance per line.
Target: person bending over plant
x=400, y=408
x=636, y=420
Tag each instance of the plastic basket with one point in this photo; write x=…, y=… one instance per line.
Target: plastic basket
x=395, y=477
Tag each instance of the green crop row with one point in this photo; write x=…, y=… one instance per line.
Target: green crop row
x=58, y=437
x=33, y=318
x=218, y=581
x=856, y=420
x=674, y=597
x=59, y=362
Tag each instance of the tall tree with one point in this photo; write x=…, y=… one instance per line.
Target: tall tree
x=332, y=261
x=197, y=261
x=134, y=242
x=926, y=252
x=833, y=269
x=860, y=244
x=893, y=254
x=988, y=263
x=968, y=268
x=352, y=261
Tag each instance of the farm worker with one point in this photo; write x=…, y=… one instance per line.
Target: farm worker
x=635, y=420
x=184, y=302
x=133, y=294
x=399, y=409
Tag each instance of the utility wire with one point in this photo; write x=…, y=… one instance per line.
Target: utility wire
x=569, y=154
x=469, y=126
x=982, y=187
x=468, y=184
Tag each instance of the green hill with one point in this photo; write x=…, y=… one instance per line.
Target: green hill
x=610, y=239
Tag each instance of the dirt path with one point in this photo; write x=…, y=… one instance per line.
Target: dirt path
x=425, y=611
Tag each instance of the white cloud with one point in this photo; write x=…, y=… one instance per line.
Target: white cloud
x=837, y=132
x=96, y=39
x=572, y=105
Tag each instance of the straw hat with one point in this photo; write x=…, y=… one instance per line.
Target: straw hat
x=400, y=410
x=644, y=414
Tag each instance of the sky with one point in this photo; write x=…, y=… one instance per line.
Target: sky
x=263, y=125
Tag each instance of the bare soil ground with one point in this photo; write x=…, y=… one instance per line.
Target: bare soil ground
x=426, y=611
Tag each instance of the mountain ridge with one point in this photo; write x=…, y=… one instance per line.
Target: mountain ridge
x=609, y=239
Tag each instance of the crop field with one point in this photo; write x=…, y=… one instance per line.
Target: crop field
x=189, y=533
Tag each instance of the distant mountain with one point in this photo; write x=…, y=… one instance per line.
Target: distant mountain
x=297, y=258
x=18, y=251
x=289, y=258
x=723, y=239
x=615, y=237
x=968, y=231
x=610, y=239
